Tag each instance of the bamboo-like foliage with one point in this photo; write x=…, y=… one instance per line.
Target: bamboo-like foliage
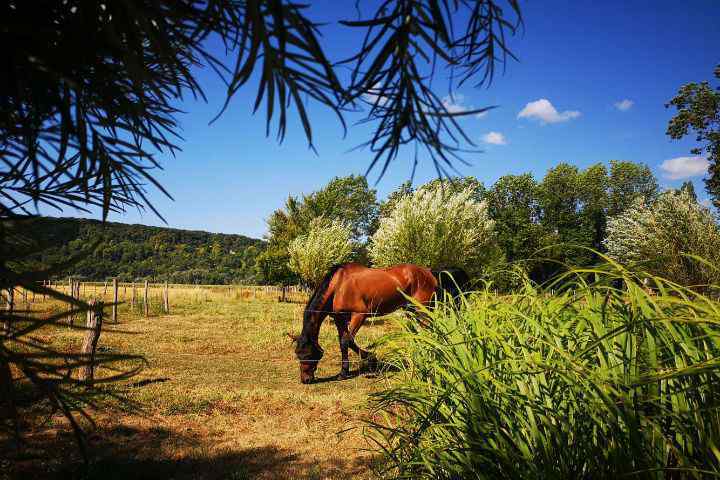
x=405, y=42
x=91, y=91
x=605, y=378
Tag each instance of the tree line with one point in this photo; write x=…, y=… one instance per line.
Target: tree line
x=135, y=252
x=543, y=225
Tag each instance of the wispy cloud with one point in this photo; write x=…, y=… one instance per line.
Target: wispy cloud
x=373, y=96
x=624, y=105
x=494, y=138
x=684, y=167
x=455, y=103
x=545, y=112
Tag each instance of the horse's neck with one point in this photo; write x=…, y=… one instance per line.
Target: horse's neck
x=311, y=326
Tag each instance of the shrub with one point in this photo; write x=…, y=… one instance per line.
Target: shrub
x=665, y=235
x=435, y=227
x=325, y=244
x=594, y=382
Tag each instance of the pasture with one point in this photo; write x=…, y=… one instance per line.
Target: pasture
x=219, y=397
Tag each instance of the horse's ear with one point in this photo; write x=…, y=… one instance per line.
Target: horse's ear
x=294, y=338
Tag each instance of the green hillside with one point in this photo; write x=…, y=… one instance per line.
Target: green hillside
x=133, y=252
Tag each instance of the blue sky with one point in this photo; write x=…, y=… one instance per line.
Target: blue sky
x=581, y=57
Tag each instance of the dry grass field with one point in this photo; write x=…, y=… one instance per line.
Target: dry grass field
x=219, y=398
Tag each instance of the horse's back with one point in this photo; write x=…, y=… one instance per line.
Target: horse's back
x=383, y=290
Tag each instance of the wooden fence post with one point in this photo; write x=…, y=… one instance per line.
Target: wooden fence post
x=115, y=300
x=147, y=307
x=92, y=334
x=132, y=298
x=166, y=299
x=71, y=294
x=10, y=305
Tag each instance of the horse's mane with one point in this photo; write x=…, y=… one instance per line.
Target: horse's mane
x=315, y=302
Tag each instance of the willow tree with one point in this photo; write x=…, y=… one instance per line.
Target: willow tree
x=326, y=243
x=674, y=237
x=436, y=228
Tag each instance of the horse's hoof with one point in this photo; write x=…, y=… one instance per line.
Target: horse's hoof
x=343, y=375
x=372, y=362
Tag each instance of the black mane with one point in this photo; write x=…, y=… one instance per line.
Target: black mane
x=316, y=298
x=307, y=348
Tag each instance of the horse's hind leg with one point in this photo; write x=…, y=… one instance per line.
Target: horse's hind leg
x=356, y=321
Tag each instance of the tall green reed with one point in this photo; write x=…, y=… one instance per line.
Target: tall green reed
x=616, y=373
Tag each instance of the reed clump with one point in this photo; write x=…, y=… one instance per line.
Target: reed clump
x=616, y=373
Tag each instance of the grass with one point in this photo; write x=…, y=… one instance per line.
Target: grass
x=219, y=397
x=604, y=379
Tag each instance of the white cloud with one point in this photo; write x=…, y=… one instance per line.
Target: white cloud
x=454, y=103
x=373, y=96
x=544, y=111
x=624, y=105
x=684, y=167
x=494, y=138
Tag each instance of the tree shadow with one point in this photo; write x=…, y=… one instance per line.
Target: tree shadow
x=149, y=381
x=127, y=452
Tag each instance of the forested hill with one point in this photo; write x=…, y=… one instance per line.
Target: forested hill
x=134, y=252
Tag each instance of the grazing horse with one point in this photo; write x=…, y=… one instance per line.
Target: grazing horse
x=351, y=292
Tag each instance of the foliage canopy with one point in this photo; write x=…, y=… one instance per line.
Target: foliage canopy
x=698, y=111
x=437, y=228
x=327, y=243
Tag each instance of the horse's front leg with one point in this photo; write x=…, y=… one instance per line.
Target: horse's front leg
x=341, y=322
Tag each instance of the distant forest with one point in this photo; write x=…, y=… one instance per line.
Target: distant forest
x=139, y=252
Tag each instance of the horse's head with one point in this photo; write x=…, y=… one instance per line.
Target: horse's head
x=309, y=354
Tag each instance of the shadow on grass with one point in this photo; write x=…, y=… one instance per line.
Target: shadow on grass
x=126, y=452
x=367, y=370
x=148, y=381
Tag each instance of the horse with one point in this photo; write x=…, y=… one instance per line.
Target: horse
x=351, y=292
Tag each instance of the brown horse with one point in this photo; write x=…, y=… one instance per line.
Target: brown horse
x=350, y=293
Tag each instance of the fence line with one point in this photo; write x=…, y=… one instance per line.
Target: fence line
x=162, y=293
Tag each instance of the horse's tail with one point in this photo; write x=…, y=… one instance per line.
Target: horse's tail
x=453, y=281
x=315, y=303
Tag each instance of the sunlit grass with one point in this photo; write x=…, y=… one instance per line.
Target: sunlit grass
x=604, y=378
x=220, y=393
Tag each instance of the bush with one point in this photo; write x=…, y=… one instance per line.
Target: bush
x=436, y=227
x=665, y=235
x=326, y=244
x=594, y=382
